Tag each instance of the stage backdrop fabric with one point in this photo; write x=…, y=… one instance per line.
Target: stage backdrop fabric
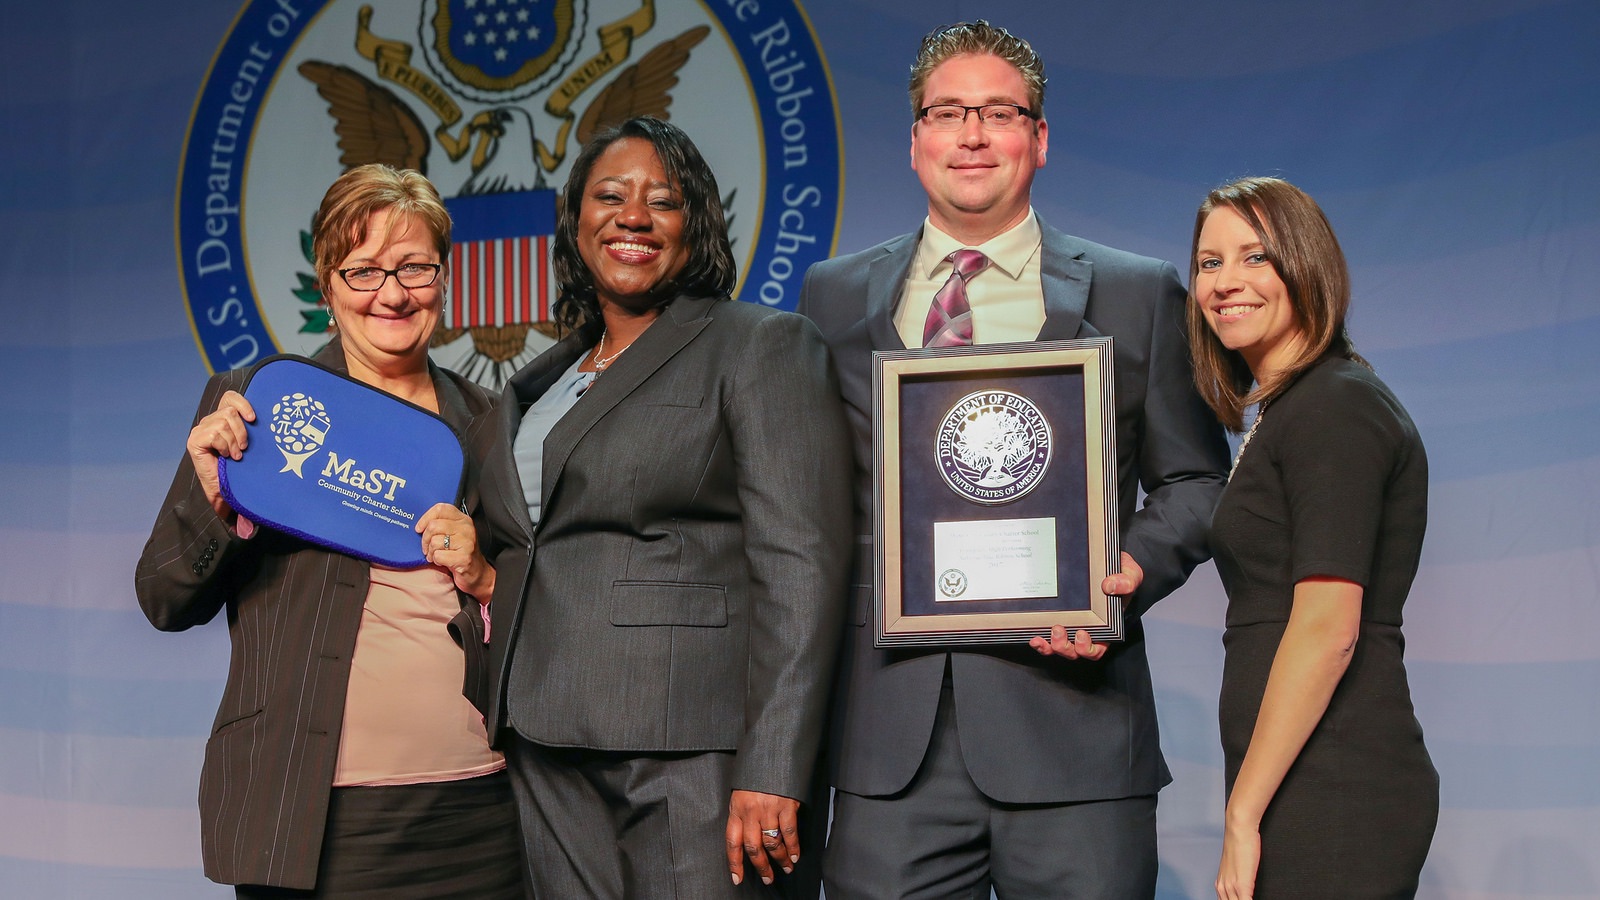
x=1453, y=144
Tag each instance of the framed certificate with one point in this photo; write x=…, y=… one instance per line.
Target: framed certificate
x=995, y=493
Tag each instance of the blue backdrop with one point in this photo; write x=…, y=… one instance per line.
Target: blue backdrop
x=1453, y=144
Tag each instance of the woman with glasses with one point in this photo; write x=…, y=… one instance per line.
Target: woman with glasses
x=349, y=757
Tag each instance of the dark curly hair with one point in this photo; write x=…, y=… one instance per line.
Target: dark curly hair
x=710, y=270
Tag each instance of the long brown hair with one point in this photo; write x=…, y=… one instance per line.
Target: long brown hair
x=1301, y=246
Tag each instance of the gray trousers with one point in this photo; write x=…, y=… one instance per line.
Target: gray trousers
x=611, y=826
x=942, y=839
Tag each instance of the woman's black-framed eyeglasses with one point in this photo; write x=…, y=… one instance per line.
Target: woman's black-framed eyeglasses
x=371, y=278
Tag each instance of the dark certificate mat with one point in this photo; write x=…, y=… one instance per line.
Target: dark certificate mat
x=995, y=494
x=339, y=463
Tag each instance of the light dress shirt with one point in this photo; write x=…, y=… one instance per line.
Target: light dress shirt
x=528, y=448
x=1007, y=298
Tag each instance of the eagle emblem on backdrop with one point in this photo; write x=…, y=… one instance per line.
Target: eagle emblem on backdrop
x=492, y=55
x=491, y=100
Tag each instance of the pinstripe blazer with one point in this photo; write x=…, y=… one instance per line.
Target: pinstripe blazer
x=682, y=590
x=293, y=612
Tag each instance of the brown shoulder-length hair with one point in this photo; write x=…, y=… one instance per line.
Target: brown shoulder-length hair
x=1301, y=246
x=710, y=270
x=340, y=224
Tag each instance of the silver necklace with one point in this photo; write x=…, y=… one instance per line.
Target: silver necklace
x=1254, y=424
x=601, y=361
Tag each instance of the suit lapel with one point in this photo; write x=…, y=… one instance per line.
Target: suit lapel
x=886, y=280
x=521, y=390
x=1065, y=276
x=452, y=403
x=454, y=411
x=331, y=355
x=1063, y=273
x=679, y=323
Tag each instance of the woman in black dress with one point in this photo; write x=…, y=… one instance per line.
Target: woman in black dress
x=1331, y=792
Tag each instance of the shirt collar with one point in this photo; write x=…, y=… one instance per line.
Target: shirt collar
x=1008, y=251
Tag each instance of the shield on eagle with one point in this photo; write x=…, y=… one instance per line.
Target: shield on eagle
x=500, y=280
x=499, y=47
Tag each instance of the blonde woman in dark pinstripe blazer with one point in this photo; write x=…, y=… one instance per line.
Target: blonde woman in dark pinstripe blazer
x=346, y=759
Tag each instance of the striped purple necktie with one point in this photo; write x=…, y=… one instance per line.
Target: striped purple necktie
x=950, y=317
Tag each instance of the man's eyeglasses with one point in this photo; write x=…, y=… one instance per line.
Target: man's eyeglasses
x=998, y=116
x=410, y=275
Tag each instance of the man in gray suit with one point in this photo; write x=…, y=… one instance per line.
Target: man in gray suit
x=1032, y=771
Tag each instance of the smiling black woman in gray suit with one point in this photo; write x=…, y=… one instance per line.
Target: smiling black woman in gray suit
x=664, y=493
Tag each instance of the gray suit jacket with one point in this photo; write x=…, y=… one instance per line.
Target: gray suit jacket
x=1033, y=729
x=683, y=587
x=293, y=612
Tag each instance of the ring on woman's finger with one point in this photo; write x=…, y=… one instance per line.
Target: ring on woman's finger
x=447, y=542
x=771, y=832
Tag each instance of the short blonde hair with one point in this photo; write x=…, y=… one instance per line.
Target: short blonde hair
x=980, y=38
x=340, y=224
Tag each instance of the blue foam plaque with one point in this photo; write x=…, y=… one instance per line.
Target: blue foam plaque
x=339, y=463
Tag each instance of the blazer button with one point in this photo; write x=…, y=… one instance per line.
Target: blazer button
x=211, y=544
x=198, y=568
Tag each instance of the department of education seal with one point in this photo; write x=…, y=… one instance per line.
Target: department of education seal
x=490, y=99
x=993, y=446
x=952, y=583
